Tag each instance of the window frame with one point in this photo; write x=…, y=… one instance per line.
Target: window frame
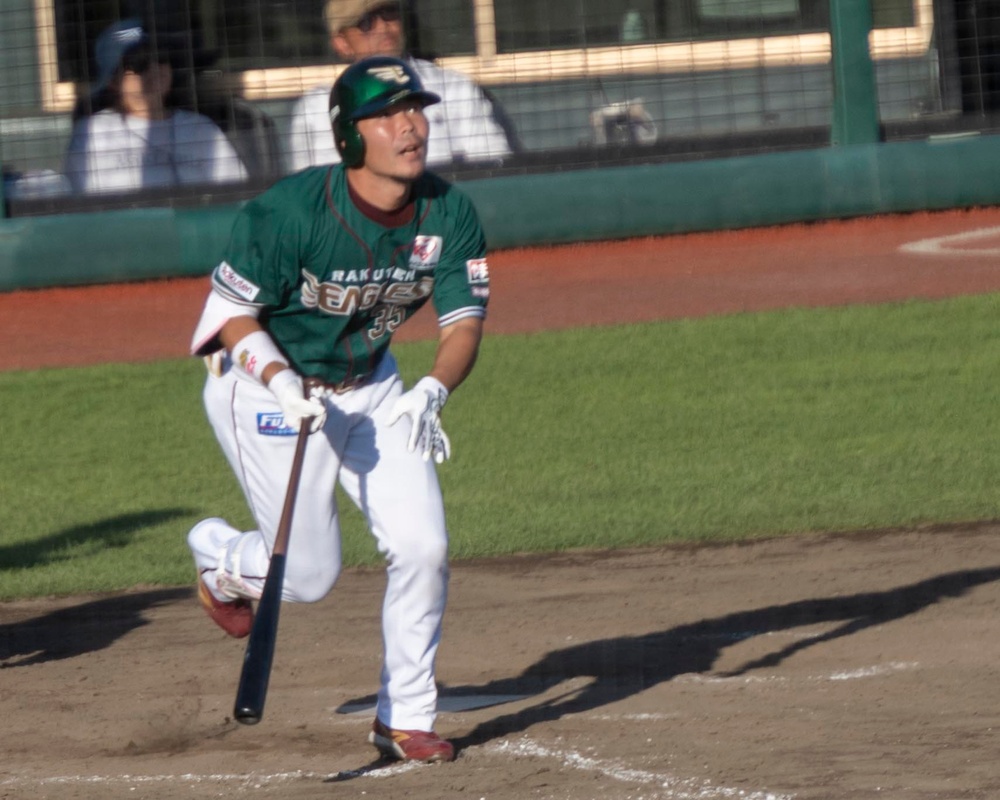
x=489, y=67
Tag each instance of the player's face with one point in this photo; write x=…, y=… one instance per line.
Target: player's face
x=378, y=33
x=396, y=141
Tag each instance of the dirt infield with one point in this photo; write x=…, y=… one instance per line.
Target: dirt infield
x=849, y=666
x=534, y=289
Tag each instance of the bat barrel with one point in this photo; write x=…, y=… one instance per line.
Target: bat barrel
x=257, y=659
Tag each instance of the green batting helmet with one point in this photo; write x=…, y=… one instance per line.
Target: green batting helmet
x=367, y=88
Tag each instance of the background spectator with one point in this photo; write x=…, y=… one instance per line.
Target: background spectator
x=464, y=126
x=131, y=138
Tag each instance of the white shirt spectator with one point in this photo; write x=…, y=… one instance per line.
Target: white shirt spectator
x=462, y=125
x=114, y=152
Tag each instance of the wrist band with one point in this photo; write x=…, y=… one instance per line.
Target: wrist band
x=255, y=351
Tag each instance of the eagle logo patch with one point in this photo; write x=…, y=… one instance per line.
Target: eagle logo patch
x=426, y=251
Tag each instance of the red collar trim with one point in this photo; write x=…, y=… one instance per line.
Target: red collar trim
x=389, y=219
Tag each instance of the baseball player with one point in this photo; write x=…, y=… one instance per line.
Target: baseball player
x=320, y=271
x=463, y=125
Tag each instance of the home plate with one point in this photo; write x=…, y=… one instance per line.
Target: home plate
x=446, y=703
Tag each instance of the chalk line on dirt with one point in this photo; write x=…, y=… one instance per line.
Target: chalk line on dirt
x=951, y=245
x=851, y=675
x=674, y=788
x=247, y=779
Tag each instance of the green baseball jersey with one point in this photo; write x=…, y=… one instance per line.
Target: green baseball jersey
x=332, y=284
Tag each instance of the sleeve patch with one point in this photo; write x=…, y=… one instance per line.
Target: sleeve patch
x=426, y=251
x=477, y=271
x=229, y=278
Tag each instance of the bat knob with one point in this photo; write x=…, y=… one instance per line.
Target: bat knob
x=247, y=716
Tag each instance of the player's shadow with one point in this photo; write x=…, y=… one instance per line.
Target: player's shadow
x=71, y=543
x=79, y=629
x=91, y=626
x=624, y=666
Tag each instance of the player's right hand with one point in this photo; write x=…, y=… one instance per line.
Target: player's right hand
x=287, y=387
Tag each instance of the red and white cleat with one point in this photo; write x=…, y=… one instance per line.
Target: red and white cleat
x=235, y=617
x=425, y=746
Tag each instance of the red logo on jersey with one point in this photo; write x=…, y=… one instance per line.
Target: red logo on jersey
x=426, y=251
x=477, y=270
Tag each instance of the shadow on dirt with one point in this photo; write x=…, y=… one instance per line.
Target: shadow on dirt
x=79, y=540
x=624, y=666
x=80, y=629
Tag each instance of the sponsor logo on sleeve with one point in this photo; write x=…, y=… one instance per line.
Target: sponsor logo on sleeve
x=272, y=423
x=481, y=292
x=426, y=251
x=236, y=283
x=477, y=270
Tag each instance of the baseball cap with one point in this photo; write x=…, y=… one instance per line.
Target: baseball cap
x=114, y=42
x=340, y=14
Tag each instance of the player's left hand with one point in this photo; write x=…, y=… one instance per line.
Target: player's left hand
x=423, y=404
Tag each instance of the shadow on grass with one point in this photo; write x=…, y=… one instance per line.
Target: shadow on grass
x=624, y=666
x=80, y=629
x=113, y=532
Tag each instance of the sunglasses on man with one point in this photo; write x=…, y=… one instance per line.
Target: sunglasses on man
x=388, y=13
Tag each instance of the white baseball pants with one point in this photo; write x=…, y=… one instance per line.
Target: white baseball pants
x=397, y=491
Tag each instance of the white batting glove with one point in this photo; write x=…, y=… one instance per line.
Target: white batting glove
x=423, y=404
x=287, y=387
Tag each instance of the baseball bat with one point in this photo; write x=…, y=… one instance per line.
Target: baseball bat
x=256, y=672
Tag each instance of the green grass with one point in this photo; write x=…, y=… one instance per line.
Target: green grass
x=705, y=430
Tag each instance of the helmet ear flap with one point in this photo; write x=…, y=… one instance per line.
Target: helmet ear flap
x=347, y=138
x=351, y=146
